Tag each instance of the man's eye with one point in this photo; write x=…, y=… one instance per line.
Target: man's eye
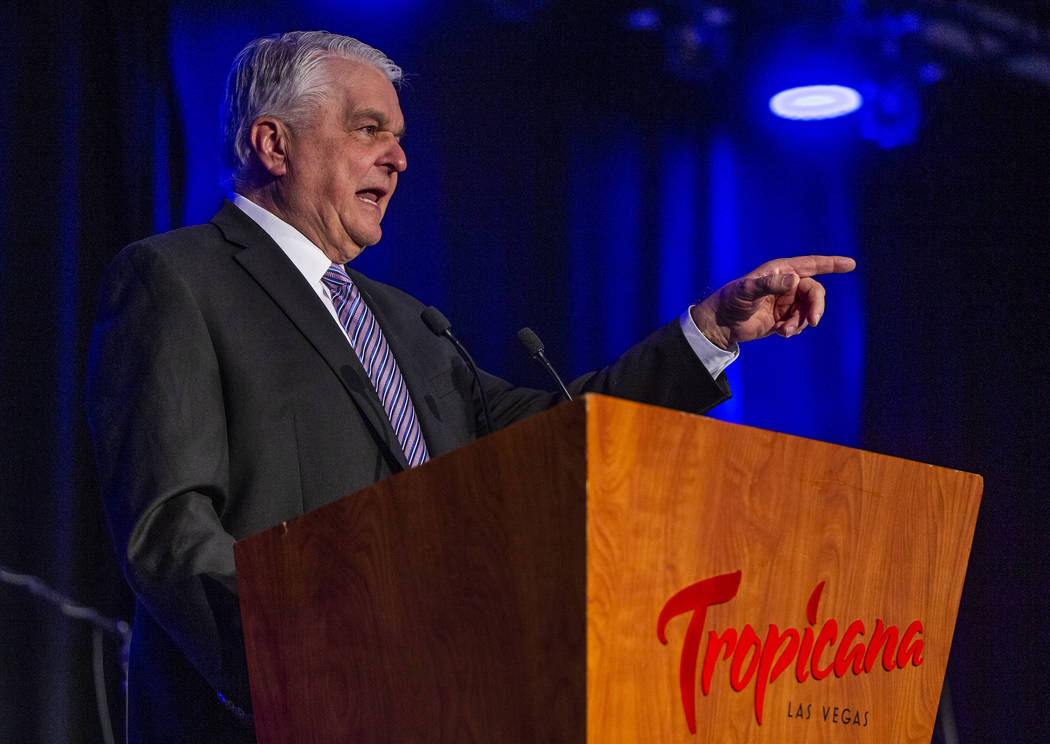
x=370, y=130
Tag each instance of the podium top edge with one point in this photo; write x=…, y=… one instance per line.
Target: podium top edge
x=589, y=399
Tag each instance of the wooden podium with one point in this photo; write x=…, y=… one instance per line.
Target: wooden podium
x=614, y=572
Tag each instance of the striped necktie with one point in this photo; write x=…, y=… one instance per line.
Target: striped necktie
x=377, y=359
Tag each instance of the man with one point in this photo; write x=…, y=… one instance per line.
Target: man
x=241, y=375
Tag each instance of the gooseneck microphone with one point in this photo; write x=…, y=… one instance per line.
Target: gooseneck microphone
x=438, y=324
x=532, y=344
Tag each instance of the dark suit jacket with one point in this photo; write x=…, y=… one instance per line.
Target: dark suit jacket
x=224, y=399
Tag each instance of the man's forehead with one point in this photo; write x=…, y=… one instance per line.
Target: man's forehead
x=359, y=73
x=366, y=91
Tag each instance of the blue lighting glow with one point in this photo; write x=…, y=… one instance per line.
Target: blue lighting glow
x=643, y=19
x=813, y=102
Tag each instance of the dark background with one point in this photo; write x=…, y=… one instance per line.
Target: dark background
x=571, y=174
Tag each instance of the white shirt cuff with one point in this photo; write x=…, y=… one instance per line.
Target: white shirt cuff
x=714, y=359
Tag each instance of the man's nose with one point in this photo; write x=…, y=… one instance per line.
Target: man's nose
x=393, y=156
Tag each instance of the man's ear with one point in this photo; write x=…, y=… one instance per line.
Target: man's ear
x=269, y=141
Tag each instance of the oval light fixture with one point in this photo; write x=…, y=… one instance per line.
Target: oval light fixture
x=813, y=102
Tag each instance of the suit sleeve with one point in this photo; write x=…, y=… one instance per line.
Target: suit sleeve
x=662, y=370
x=155, y=405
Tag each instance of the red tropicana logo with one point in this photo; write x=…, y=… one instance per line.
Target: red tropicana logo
x=759, y=661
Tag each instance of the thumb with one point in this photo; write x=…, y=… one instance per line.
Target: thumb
x=776, y=284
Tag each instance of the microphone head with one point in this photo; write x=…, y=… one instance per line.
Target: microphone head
x=530, y=341
x=435, y=321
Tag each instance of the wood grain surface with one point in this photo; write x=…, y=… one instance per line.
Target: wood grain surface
x=510, y=591
x=446, y=604
x=674, y=499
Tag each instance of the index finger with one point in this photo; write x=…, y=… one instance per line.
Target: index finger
x=807, y=265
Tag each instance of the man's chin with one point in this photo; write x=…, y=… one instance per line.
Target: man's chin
x=357, y=244
x=364, y=241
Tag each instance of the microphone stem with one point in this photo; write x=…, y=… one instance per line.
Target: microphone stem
x=477, y=377
x=550, y=368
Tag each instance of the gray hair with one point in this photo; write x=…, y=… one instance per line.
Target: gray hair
x=283, y=76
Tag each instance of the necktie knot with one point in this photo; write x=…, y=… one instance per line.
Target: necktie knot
x=336, y=278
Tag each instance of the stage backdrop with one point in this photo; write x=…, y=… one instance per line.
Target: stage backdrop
x=559, y=177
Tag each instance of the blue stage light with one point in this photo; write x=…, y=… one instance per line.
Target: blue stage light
x=813, y=102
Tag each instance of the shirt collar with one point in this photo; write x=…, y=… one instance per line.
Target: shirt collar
x=307, y=257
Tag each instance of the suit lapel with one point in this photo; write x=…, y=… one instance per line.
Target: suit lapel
x=399, y=329
x=276, y=274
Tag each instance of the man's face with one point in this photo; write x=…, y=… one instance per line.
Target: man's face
x=342, y=167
